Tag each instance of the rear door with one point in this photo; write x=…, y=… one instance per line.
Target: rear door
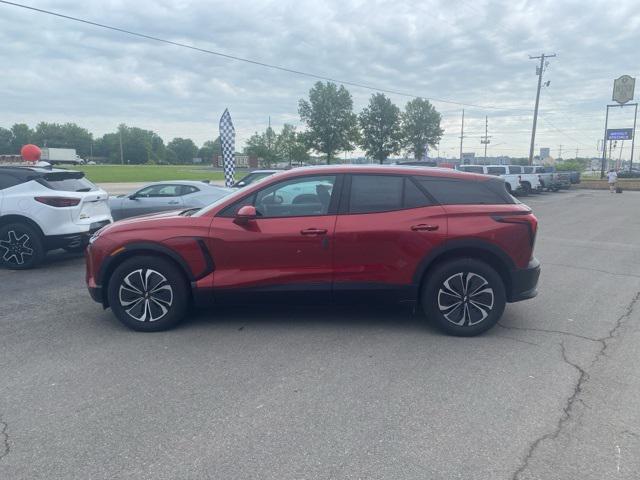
x=385, y=227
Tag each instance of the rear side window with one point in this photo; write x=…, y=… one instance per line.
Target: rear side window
x=528, y=169
x=7, y=181
x=515, y=169
x=383, y=193
x=496, y=170
x=187, y=189
x=67, y=182
x=461, y=192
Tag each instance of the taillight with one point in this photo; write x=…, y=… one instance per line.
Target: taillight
x=525, y=218
x=58, y=201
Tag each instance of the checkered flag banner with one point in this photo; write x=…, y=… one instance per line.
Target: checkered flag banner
x=228, y=144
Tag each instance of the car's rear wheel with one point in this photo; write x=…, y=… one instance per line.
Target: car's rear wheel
x=21, y=246
x=463, y=297
x=148, y=294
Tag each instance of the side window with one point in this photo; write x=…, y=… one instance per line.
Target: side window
x=296, y=197
x=413, y=196
x=155, y=191
x=496, y=170
x=376, y=193
x=460, y=192
x=187, y=189
x=515, y=169
x=528, y=169
x=7, y=181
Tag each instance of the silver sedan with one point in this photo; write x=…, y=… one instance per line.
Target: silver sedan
x=166, y=196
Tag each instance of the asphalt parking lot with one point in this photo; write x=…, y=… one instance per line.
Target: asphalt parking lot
x=551, y=393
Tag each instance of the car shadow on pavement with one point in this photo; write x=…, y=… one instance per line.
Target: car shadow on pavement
x=331, y=316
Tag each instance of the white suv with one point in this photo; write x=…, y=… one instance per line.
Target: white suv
x=44, y=209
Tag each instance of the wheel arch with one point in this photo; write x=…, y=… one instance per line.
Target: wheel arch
x=476, y=249
x=15, y=218
x=146, y=249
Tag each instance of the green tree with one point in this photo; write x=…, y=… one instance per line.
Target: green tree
x=184, y=148
x=291, y=145
x=262, y=145
x=21, y=135
x=328, y=114
x=420, y=127
x=67, y=135
x=138, y=146
x=209, y=150
x=380, y=125
x=6, y=141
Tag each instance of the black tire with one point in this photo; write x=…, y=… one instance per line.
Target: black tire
x=127, y=288
x=526, y=186
x=439, y=304
x=21, y=246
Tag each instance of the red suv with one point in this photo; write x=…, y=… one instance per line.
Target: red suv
x=456, y=244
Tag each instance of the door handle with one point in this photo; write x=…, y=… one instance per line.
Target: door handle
x=313, y=231
x=422, y=227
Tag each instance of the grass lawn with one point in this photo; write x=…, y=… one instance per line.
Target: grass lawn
x=147, y=173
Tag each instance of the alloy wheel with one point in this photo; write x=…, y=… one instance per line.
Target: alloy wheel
x=145, y=295
x=465, y=299
x=16, y=248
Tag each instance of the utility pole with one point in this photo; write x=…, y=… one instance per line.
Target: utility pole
x=539, y=70
x=461, y=135
x=485, y=140
x=577, y=150
x=560, y=151
x=121, y=155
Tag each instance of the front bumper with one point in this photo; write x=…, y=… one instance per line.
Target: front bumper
x=525, y=281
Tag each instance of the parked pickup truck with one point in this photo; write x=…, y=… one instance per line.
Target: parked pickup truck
x=547, y=177
x=516, y=181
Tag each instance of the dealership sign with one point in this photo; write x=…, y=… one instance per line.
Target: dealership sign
x=623, y=89
x=619, y=133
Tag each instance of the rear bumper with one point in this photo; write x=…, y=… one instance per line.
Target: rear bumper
x=74, y=240
x=525, y=281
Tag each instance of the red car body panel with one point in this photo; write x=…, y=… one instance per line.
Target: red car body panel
x=382, y=247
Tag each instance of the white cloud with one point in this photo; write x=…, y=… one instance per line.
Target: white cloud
x=467, y=51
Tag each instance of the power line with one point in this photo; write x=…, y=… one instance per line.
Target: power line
x=247, y=60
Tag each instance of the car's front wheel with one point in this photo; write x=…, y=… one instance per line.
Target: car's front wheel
x=148, y=294
x=21, y=246
x=463, y=297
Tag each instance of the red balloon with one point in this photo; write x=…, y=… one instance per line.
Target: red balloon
x=31, y=153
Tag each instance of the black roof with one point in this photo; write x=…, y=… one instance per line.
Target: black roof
x=29, y=173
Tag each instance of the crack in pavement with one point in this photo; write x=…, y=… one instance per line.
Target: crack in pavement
x=5, y=442
x=607, y=272
x=582, y=378
x=531, y=329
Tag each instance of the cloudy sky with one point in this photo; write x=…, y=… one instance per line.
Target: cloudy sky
x=468, y=51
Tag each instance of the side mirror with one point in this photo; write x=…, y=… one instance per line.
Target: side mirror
x=246, y=213
x=240, y=184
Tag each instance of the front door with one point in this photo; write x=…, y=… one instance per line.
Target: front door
x=287, y=249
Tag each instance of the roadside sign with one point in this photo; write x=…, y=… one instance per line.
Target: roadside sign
x=623, y=88
x=619, y=133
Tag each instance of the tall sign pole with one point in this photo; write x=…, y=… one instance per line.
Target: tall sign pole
x=485, y=140
x=539, y=71
x=623, y=90
x=461, y=135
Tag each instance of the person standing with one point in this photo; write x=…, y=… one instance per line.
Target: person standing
x=612, y=176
